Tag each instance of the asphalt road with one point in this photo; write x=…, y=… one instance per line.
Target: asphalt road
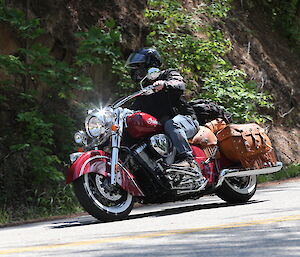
x=268, y=225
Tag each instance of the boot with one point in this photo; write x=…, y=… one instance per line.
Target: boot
x=186, y=163
x=190, y=165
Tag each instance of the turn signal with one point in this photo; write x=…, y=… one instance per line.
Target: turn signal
x=114, y=127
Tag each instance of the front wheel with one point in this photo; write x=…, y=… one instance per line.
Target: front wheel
x=102, y=200
x=237, y=189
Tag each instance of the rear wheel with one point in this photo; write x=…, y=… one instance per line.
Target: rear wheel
x=102, y=200
x=237, y=189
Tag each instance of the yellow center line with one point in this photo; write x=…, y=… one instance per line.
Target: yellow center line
x=152, y=235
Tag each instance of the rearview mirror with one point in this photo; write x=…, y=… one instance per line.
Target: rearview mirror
x=152, y=74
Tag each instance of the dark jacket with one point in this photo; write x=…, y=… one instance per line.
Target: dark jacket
x=168, y=102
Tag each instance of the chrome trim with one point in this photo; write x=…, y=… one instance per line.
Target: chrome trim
x=227, y=173
x=191, y=182
x=184, y=171
x=162, y=144
x=120, y=115
x=75, y=156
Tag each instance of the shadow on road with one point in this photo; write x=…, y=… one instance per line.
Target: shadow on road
x=89, y=220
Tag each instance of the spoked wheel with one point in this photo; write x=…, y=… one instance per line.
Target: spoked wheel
x=102, y=200
x=237, y=189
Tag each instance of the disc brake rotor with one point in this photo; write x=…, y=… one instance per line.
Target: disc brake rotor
x=108, y=191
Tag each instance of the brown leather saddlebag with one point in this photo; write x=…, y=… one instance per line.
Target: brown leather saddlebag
x=216, y=125
x=248, y=144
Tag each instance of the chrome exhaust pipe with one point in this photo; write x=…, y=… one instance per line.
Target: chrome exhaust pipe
x=227, y=173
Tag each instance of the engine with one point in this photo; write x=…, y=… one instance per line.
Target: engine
x=161, y=146
x=158, y=148
x=157, y=154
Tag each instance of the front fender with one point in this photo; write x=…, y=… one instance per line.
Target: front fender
x=98, y=161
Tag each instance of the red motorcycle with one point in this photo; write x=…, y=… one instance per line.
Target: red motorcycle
x=127, y=158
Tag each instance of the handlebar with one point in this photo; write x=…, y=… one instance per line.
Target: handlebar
x=145, y=91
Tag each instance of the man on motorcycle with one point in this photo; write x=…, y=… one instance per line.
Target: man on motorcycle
x=168, y=104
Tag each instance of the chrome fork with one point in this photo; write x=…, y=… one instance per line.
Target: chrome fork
x=117, y=132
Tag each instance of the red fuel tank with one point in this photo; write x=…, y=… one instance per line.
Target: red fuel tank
x=141, y=124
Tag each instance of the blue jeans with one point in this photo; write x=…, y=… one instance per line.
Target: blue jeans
x=180, y=129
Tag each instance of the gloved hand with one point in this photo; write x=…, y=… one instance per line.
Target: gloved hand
x=159, y=85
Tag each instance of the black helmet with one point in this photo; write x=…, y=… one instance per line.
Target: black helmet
x=140, y=61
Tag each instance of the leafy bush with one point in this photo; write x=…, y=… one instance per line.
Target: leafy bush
x=228, y=88
x=101, y=46
x=27, y=28
x=5, y=216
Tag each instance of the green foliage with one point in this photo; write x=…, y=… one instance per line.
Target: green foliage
x=98, y=46
x=5, y=216
x=59, y=75
x=198, y=51
x=218, y=8
x=35, y=150
x=39, y=135
x=228, y=87
x=101, y=46
x=60, y=200
x=12, y=65
x=27, y=28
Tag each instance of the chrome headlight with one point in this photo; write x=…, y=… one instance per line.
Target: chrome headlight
x=94, y=126
x=98, y=122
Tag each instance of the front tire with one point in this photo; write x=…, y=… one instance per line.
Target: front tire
x=102, y=200
x=237, y=189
